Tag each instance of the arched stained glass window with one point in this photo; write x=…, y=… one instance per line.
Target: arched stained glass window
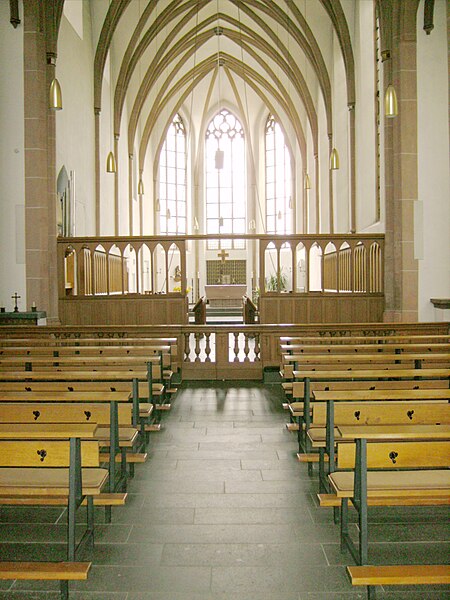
x=279, y=208
x=226, y=196
x=172, y=180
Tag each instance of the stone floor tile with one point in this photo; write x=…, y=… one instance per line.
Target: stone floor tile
x=268, y=555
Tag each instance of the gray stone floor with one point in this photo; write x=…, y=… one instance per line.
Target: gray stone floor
x=222, y=511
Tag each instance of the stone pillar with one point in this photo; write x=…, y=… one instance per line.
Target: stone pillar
x=36, y=121
x=401, y=268
x=40, y=32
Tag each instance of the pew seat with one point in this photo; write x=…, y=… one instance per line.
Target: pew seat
x=46, y=571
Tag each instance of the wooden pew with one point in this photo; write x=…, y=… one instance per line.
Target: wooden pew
x=366, y=339
x=390, y=575
x=62, y=342
x=412, y=465
x=391, y=360
x=146, y=402
x=116, y=431
x=301, y=410
x=38, y=409
x=111, y=346
x=356, y=348
x=46, y=571
x=360, y=397
x=153, y=364
x=328, y=417
x=53, y=460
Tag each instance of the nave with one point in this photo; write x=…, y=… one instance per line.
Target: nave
x=222, y=510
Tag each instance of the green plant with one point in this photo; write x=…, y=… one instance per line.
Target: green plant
x=276, y=283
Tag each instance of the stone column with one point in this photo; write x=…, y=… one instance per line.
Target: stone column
x=401, y=268
x=36, y=123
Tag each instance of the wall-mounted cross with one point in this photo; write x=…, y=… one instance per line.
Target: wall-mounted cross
x=15, y=298
x=223, y=255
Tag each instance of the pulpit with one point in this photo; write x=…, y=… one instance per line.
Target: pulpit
x=225, y=295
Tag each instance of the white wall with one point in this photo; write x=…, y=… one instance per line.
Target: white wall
x=341, y=181
x=12, y=196
x=107, y=209
x=365, y=117
x=75, y=123
x=432, y=215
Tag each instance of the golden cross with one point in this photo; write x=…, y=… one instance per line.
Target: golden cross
x=223, y=255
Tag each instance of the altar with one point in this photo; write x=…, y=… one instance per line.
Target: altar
x=225, y=294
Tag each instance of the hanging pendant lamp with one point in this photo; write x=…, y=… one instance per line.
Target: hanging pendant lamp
x=111, y=163
x=307, y=182
x=334, y=160
x=141, y=187
x=390, y=102
x=55, y=95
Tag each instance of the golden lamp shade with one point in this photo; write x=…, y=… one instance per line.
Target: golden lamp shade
x=111, y=163
x=390, y=102
x=55, y=96
x=307, y=182
x=334, y=160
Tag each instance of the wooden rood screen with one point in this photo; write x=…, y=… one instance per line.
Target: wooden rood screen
x=354, y=269
x=314, y=278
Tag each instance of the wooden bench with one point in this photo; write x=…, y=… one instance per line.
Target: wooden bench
x=328, y=417
x=128, y=364
x=358, y=348
x=390, y=360
x=369, y=575
x=366, y=339
x=40, y=410
x=110, y=410
x=164, y=348
x=46, y=571
x=296, y=405
x=144, y=402
x=301, y=409
x=360, y=397
x=53, y=460
x=412, y=465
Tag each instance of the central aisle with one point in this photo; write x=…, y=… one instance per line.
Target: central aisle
x=223, y=510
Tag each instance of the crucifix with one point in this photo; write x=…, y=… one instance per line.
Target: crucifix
x=15, y=298
x=223, y=255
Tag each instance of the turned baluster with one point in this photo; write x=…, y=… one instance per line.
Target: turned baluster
x=207, y=347
x=246, y=348
x=187, y=349
x=236, y=347
x=257, y=348
x=197, y=347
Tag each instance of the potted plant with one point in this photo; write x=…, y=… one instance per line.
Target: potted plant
x=276, y=283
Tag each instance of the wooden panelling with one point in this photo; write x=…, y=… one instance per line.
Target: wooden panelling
x=321, y=308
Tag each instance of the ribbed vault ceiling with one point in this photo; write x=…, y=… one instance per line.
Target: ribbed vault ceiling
x=168, y=56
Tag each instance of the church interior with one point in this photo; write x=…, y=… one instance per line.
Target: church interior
x=224, y=260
